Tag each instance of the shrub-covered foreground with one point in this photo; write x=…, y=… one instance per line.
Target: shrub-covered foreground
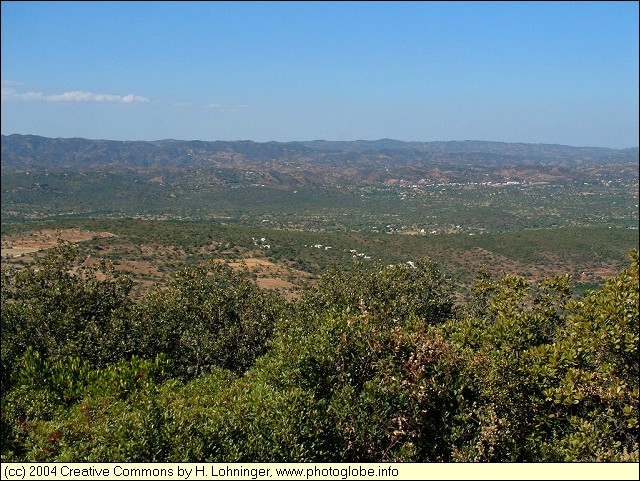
x=370, y=365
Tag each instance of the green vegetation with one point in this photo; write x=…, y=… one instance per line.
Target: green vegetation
x=588, y=254
x=318, y=301
x=384, y=363
x=439, y=207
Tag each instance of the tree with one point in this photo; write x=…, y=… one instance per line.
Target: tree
x=208, y=316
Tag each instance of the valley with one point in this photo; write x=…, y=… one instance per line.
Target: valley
x=154, y=208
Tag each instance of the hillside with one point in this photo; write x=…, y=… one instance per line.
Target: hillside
x=319, y=162
x=532, y=209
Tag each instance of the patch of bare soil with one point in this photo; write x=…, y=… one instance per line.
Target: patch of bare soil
x=28, y=243
x=272, y=276
x=554, y=265
x=588, y=275
x=136, y=268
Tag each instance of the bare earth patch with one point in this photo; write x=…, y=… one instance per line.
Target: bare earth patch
x=270, y=275
x=21, y=244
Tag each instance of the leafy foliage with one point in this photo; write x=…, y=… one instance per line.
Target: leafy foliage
x=208, y=316
x=390, y=293
x=59, y=312
x=369, y=365
x=551, y=378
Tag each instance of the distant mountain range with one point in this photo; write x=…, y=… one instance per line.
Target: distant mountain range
x=310, y=162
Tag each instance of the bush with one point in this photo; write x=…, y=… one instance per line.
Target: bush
x=62, y=312
x=394, y=292
x=372, y=365
x=55, y=411
x=210, y=316
x=550, y=378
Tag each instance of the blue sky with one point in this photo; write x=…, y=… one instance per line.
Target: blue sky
x=535, y=72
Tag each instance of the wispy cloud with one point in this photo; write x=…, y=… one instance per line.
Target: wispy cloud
x=214, y=106
x=10, y=92
x=10, y=84
x=15, y=91
x=226, y=108
x=9, y=89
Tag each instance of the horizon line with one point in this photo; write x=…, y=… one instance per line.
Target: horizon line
x=325, y=140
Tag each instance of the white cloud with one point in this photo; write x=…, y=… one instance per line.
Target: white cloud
x=8, y=89
x=10, y=83
x=9, y=92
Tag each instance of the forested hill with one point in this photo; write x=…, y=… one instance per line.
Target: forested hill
x=29, y=151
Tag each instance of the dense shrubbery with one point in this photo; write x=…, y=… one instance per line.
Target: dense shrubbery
x=59, y=312
x=370, y=365
x=209, y=316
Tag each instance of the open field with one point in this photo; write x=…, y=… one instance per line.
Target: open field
x=35, y=241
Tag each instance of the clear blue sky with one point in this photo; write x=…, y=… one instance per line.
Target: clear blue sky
x=535, y=72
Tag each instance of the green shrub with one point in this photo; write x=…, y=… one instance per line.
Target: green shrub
x=54, y=412
x=550, y=378
x=64, y=312
x=210, y=316
x=398, y=292
x=371, y=365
